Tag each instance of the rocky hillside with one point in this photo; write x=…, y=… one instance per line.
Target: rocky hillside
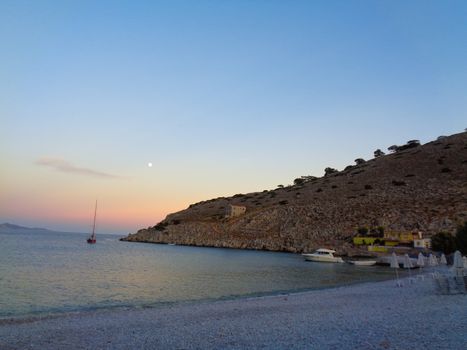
x=418, y=187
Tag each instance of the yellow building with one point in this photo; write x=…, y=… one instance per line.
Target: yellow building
x=406, y=237
x=403, y=237
x=392, y=239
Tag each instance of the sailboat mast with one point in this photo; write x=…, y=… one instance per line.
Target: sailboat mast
x=94, y=224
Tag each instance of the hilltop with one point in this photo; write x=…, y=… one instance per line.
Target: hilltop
x=417, y=187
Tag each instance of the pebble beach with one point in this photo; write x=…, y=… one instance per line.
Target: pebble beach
x=377, y=315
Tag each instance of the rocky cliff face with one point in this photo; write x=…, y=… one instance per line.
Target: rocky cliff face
x=421, y=188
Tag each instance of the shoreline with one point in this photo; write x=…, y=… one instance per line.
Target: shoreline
x=360, y=316
x=348, y=253
x=44, y=315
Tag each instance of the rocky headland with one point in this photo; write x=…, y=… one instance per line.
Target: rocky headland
x=416, y=187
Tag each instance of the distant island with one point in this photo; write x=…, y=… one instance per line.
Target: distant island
x=8, y=226
x=11, y=228
x=413, y=188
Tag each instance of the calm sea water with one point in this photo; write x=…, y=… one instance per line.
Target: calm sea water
x=44, y=272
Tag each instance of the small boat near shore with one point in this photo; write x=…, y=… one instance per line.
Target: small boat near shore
x=323, y=255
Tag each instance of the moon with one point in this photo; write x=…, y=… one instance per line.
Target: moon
x=149, y=165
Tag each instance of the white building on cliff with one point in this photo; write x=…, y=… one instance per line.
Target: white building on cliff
x=234, y=211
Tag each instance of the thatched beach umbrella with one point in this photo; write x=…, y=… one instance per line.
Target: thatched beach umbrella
x=421, y=260
x=443, y=260
x=458, y=264
x=408, y=265
x=395, y=265
x=420, y=264
x=432, y=262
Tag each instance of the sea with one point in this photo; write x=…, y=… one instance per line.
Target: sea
x=45, y=273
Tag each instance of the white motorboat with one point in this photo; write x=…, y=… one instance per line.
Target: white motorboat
x=323, y=255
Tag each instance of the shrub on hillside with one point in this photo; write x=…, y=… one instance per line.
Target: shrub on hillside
x=380, y=231
x=378, y=153
x=461, y=238
x=362, y=231
x=303, y=179
x=377, y=231
x=329, y=171
x=299, y=181
x=408, y=145
x=443, y=242
x=413, y=143
x=359, y=161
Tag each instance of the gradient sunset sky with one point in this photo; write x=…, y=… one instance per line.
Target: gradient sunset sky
x=222, y=97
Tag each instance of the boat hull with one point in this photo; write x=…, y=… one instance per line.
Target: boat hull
x=328, y=259
x=362, y=262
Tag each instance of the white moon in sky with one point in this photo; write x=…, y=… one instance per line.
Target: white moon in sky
x=149, y=164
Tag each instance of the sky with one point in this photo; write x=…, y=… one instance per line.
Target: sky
x=221, y=96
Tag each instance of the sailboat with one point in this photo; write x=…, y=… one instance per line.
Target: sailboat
x=92, y=238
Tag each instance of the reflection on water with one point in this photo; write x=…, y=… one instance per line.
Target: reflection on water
x=51, y=272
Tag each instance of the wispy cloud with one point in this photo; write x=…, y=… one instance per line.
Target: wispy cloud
x=66, y=167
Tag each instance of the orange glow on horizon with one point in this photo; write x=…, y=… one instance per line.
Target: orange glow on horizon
x=78, y=212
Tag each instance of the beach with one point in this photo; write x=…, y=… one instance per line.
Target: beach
x=376, y=315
